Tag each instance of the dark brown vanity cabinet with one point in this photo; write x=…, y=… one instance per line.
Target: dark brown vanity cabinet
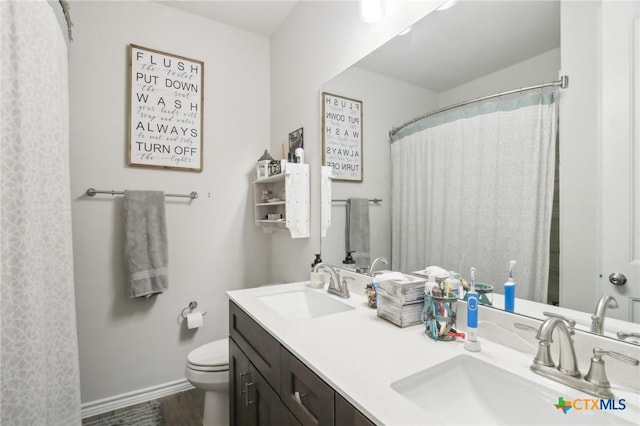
x=268, y=385
x=252, y=400
x=308, y=397
x=348, y=415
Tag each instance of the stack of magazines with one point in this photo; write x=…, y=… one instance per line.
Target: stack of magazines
x=400, y=298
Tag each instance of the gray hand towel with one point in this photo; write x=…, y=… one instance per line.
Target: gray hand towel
x=146, y=248
x=357, y=230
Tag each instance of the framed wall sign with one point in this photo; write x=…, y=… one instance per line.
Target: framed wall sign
x=165, y=110
x=342, y=137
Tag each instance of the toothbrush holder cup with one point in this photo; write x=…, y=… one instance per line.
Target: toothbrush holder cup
x=439, y=314
x=485, y=293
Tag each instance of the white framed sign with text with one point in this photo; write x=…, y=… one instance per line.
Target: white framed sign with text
x=342, y=137
x=165, y=110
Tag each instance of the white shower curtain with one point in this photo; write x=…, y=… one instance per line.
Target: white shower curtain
x=39, y=380
x=474, y=187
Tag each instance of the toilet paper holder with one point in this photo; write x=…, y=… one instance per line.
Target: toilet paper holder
x=192, y=305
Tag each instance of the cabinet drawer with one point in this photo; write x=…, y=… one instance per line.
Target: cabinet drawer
x=261, y=348
x=308, y=397
x=348, y=415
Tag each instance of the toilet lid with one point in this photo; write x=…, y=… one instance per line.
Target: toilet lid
x=213, y=354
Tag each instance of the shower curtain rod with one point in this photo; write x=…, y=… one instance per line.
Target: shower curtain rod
x=563, y=83
x=92, y=192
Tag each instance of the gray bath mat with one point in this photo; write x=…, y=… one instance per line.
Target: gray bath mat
x=146, y=414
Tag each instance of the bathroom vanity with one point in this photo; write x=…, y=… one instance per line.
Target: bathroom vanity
x=271, y=386
x=301, y=356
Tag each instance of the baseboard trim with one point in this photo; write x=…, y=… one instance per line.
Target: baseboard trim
x=128, y=399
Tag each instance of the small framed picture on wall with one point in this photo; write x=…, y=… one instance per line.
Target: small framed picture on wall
x=296, y=140
x=342, y=137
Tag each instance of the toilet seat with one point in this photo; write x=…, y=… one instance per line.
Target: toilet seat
x=210, y=357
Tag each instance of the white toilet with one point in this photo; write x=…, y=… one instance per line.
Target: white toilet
x=208, y=369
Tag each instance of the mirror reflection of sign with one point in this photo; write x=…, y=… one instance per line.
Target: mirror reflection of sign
x=342, y=118
x=166, y=110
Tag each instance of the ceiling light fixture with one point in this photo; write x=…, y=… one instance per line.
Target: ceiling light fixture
x=371, y=11
x=447, y=5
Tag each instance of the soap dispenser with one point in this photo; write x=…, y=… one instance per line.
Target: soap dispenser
x=471, y=343
x=349, y=260
x=316, y=260
x=510, y=290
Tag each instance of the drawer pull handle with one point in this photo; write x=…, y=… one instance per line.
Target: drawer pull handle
x=298, y=397
x=243, y=376
x=247, y=401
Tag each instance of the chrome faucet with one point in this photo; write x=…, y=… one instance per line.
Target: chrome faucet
x=597, y=319
x=595, y=382
x=335, y=287
x=567, y=364
x=571, y=323
x=380, y=259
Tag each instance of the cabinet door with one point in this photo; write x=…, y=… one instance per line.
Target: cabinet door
x=266, y=407
x=252, y=400
x=259, y=346
x=348, y=415
x=308, y=397
x=238, y=379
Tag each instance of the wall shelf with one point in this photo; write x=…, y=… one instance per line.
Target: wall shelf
x=291, y=188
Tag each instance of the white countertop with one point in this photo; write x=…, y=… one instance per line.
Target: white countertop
x=360, y=355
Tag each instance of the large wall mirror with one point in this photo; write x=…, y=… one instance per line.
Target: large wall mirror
x=473, y=49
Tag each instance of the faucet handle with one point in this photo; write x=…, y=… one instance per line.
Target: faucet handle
x=525, y=327
x=599, y=353
x=622, y=335
x=571, y=323
x=597, y=374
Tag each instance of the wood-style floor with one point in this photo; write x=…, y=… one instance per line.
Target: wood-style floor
x=181, y=409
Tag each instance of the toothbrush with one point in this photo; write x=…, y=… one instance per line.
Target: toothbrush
x=471, y=343
x=473, y=279
x=510, y=290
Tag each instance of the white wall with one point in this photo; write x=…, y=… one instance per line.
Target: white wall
x=317, y=42
x=214, y=246
x=542, y=68
x=385, y=103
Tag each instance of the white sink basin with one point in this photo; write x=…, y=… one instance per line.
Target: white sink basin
x=303, y=304
x=468, y=388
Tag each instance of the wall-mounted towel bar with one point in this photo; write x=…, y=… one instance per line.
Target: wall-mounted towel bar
x=374, y=200
x=92, y=192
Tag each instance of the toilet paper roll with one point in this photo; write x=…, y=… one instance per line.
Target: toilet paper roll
x=194, y=320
